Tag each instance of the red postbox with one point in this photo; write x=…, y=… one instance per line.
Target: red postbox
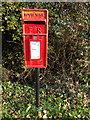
x=35, y=37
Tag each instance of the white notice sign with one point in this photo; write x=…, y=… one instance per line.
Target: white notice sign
x=35, y=49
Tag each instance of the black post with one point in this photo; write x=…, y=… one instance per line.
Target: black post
x=37, y=87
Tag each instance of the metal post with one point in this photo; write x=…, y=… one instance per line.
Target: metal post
x=37, y=87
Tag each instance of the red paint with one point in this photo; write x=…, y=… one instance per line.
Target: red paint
x=35, y=31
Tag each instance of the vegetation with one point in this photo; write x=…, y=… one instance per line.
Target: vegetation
x=63, y=101
x=64, y=83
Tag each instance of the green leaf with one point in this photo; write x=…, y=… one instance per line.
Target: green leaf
x=29, y=106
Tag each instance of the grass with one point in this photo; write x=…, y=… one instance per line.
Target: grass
x=59, y=101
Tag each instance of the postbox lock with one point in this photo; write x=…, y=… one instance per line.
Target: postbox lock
x=35, y=37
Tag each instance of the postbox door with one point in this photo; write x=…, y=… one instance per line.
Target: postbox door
x=35, y=51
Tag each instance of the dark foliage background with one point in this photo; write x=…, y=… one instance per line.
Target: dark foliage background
x=68, y=43
x=68, y=51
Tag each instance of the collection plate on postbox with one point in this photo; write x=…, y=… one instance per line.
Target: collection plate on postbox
x=35, y=37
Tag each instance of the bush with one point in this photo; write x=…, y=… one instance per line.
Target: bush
x=67, y=44
x=56, y=102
